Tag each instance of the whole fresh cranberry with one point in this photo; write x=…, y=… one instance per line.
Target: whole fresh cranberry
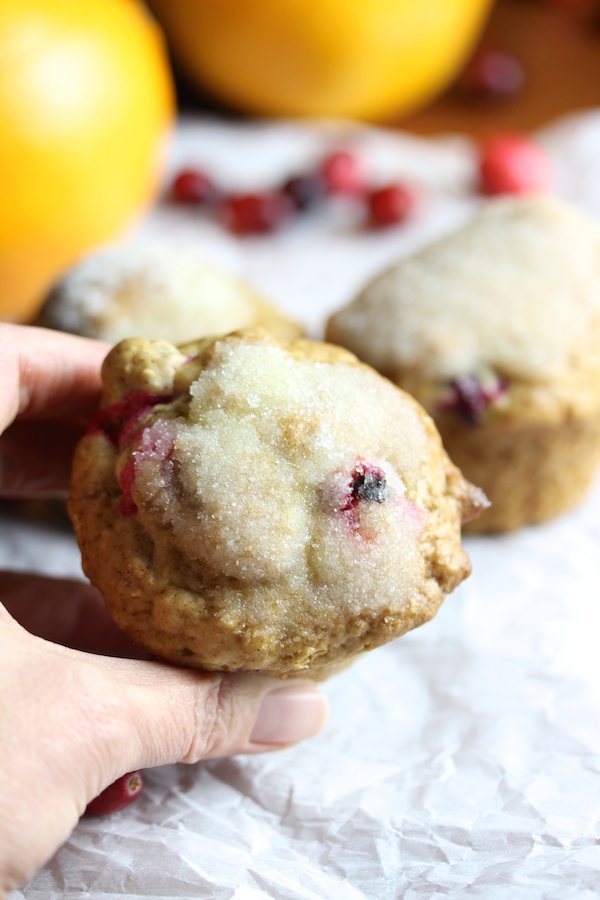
x=305, y=191
x=256, y=213
x=117, y=796
x=390, y=205
x=343, y=173
x=193, y=187
x=491, y=74
x=513, y=164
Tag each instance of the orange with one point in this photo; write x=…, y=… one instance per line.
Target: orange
x=368, y=59
x=86, y=102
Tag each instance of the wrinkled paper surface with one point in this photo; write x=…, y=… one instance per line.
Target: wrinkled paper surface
x=462, y=759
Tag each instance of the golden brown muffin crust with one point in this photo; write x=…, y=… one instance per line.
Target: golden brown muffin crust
x=284, y=509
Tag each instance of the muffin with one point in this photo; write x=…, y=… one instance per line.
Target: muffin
x=247, y=504
x=156, y=291
x=496, y=331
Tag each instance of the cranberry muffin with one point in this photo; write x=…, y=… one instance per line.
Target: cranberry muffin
x=496, y=331
x=246, y=504
x=156, y=291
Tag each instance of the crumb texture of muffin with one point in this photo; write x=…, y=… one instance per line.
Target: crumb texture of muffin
x=156, y=291
x=495, y=330
x=248, y=504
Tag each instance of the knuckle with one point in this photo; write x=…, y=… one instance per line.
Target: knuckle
x=217, y=720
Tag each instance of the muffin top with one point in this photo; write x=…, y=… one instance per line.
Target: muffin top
x=291, y=485
x=155, y=290
x=516, y=292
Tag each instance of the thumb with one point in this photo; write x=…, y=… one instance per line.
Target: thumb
x=74, y=722
x=180, y=715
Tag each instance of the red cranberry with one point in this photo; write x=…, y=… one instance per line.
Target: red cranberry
x=367, y=483
x=470, y=398
x=256, y=213
x=492, y=74
x=118, y=795
x=390, y=205
x=115, y=421
x=155, y=443
x=513, y=164
x=193, y=187
x=305, y=191
x=343, y=173
x=127, y=506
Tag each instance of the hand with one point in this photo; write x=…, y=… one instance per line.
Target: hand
x=72, y=721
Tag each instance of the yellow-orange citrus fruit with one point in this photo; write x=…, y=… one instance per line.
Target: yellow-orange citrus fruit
x=367, y=59
x=86, y=102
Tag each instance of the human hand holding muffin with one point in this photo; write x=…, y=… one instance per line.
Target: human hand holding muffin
x=246, y=504
x=349, y=536
x=79, y=710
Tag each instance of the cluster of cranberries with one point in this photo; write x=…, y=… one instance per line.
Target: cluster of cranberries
x=508, y=163
x=340, y=174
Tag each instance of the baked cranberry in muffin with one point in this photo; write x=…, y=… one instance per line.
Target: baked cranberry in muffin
x=247, y=504
x=495, y=330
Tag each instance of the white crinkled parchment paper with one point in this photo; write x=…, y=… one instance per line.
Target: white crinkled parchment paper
x=463, y=760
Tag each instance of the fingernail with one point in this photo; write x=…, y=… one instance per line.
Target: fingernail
x=288, y=715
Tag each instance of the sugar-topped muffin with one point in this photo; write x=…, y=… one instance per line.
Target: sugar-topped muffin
x=496, y=331
x=156, y=290
x=245, y=504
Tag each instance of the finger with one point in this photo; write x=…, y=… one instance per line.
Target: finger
x=177, y=715
x=35, y=458
x=48, y=374
x=181, y=715
x=86, y=720
x=65, y=611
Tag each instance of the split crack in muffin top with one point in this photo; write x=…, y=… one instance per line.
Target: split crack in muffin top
x=245, y=504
